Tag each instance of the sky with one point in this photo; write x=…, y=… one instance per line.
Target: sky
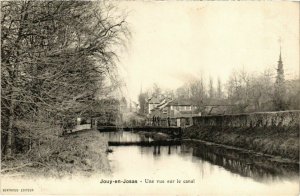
x=173, y=42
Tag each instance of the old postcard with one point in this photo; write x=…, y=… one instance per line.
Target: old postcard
x=150, y=98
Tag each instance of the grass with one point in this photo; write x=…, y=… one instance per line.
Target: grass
x=282, y=142
x=82, y=153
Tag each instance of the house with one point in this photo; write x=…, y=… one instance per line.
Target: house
x=153, y=102
x=179, y=108
x=169, y=112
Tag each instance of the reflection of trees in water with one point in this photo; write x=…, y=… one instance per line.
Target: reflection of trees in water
x=248, y=165
x=186, y=149
x=126, y=137
x=158, y=150
x=257, y=167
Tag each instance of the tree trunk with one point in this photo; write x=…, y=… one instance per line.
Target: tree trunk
x=11, y=119
x=14, y=79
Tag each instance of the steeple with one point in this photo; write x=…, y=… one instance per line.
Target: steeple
x=280, y=64
x=279, y=92
x=280, y=54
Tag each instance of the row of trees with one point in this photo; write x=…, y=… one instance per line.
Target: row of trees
x=243, y=92
x=56, y=57
x=197, y=92
x=266, y=91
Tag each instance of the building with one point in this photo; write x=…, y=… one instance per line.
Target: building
x=280, y=89
x=164, y=111
x=153, y=102
x=177, y=108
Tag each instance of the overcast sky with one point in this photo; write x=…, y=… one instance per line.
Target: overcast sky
x=174, y=41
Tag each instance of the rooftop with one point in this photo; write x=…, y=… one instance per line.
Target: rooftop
x=154, y=100
x=180, y=103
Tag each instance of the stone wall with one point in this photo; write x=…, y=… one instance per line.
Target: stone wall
x=258, y=119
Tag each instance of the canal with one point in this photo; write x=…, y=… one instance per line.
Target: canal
x=198, y=168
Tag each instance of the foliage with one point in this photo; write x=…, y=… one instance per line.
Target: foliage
x=243, y=92
x=56, y=58
x=249, y=92
x=270, y=140
x=143, y=103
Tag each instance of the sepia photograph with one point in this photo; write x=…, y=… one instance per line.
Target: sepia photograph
x=150, y=97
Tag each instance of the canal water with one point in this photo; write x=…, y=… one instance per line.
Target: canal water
x=197, y=168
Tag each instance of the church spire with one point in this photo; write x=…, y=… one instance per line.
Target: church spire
x=279, y=92
x=280, y=64
x=280, y=60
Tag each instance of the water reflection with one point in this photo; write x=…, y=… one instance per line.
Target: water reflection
x=248, y=165
x=132, y=139
x=198, y=159
x=122, y=136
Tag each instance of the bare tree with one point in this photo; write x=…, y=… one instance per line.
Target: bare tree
x=143, y=97
x=198, y=93
x=238, y=89
x=182, y=92
x=251, y=92
x=56, y=56
x=219, y=89
x=156, y=90
x=211, y=88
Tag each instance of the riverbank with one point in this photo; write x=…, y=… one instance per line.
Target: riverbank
x=82, y=153
x=245, y=162
x=282, y=142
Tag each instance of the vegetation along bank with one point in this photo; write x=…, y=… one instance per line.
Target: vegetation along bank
x=274, y=133
x=81, y=153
